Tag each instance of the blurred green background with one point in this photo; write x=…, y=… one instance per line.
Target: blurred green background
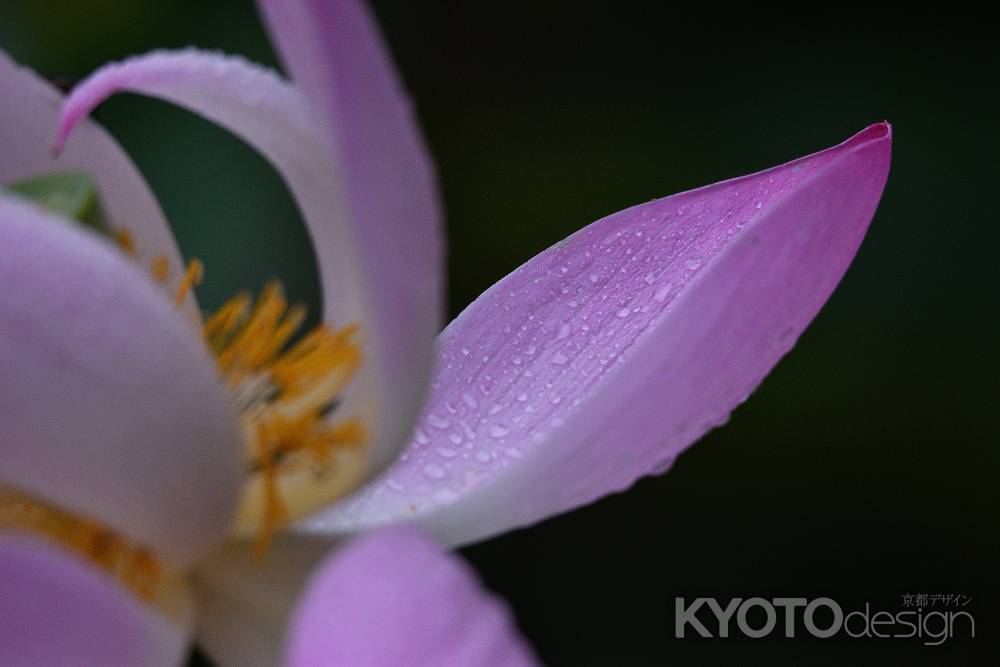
x=862, y=469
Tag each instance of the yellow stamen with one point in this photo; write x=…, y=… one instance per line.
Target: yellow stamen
x=130, y=564
x=160, y=269
x=220, y=325
x=125, y=241
x=297, y=458
x=192, y=277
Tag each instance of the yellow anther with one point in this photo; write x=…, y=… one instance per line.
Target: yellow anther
x=125, y=241
x=192, y=277
x=219, y=326
x=297, y=457
x=159, y=269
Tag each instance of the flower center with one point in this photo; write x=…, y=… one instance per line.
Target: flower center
x=299, y=457
x=285, y=393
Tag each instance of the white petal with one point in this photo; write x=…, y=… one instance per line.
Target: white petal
x=111, y=404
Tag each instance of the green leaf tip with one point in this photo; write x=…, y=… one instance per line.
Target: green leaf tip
x=71, y=194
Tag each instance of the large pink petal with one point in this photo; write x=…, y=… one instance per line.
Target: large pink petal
x=111, y=405
x=396, y=598
x=335, y=55
x=601, y=359
x=357, y=247
x=29, y=109
x=55, y=611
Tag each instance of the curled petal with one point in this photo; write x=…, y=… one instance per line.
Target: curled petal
x=57, y=611
x=274, y=118
x=29, y=109
x=335, y=55
x=111, y=404
x=396, y=598
x=604, y=357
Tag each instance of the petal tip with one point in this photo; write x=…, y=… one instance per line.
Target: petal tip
x=873, y=133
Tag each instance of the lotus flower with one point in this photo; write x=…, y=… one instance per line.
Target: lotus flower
x=157, y=462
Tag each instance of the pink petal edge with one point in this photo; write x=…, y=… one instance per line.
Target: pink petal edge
x=601, y=359
x=396, y=598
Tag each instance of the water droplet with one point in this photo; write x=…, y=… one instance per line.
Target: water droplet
x=434, y=471
x=623, y=311
x=559, y=358
x=465, y=351
x=649, y=278
x=445, y=496
x=522, y=397
x=421, y=436
x=455, y=438
x=661, y=294
x=448, y=452
x=483, y=457
x=564, y=331
x=470, y=400
x=498, y=431
x=437, y=421
x=692, y=264
x=469, y=432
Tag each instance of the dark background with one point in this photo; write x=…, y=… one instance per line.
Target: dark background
x=864, y=467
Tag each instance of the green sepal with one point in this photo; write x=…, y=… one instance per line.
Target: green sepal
x=71, y=194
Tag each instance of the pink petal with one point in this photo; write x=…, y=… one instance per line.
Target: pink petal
x=29, y=108
x=58, y=611
x=604, y=357
x=396, y=598
x=335, y=55
x=274, y=118
x=111, y=405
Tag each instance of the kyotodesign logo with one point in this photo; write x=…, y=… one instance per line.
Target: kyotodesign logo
x=823, y=618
